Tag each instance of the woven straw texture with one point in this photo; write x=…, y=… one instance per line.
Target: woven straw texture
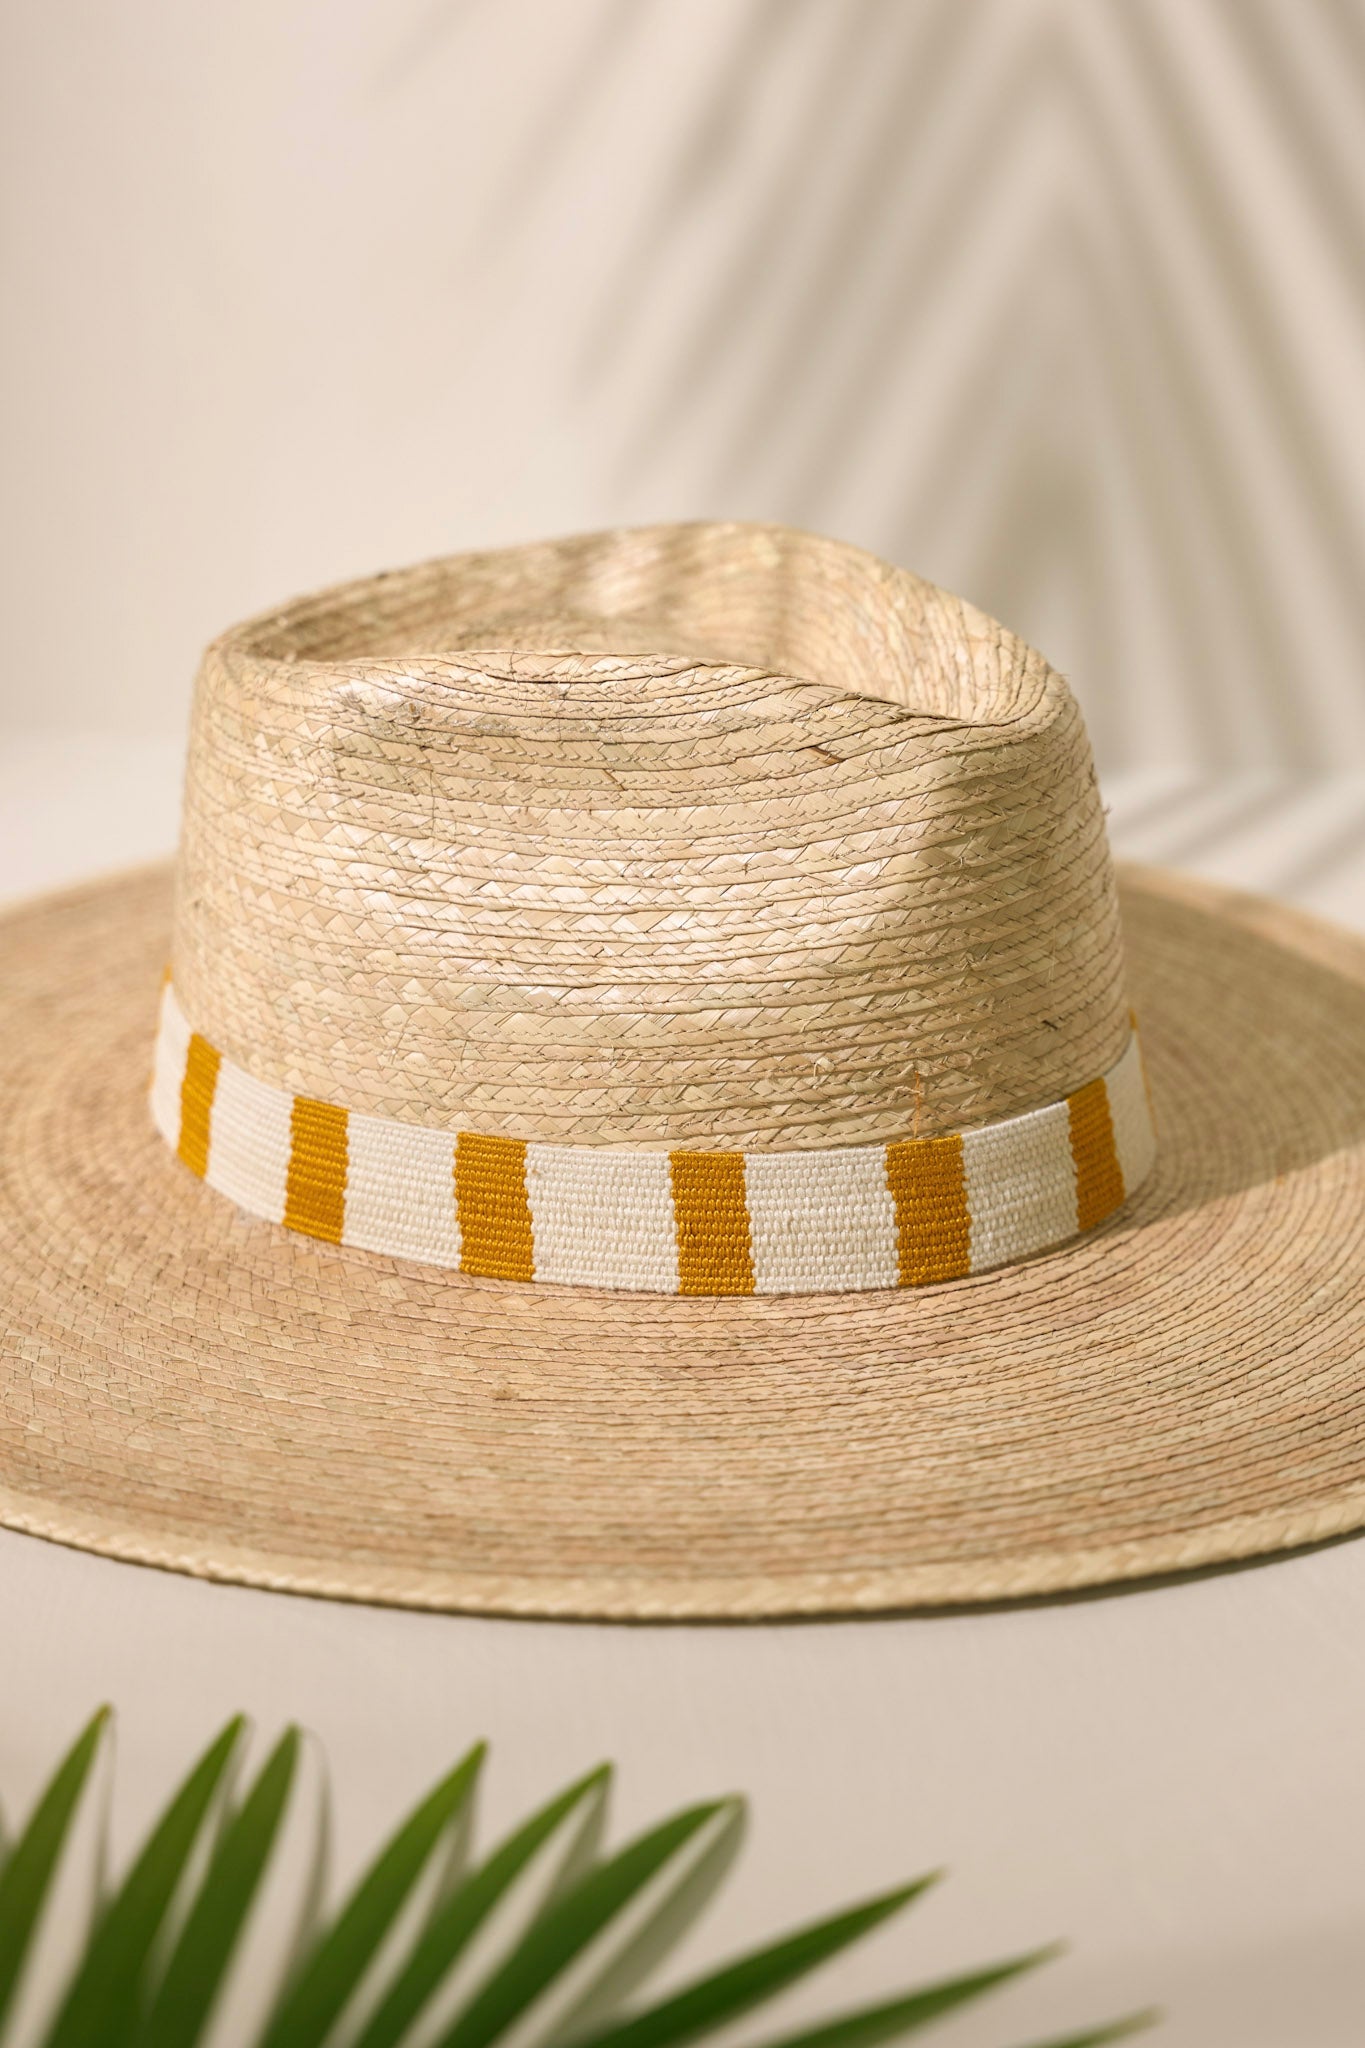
x=827, y=867
x=190, y=1388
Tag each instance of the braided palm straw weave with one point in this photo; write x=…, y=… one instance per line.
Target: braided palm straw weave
x=698, y=842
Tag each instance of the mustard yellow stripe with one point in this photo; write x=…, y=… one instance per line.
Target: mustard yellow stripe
x=928, y=1182
x=315, y=1188
x=197, y=1089
x=1099, y=1177
x=494, y=1213
x=711, y=1217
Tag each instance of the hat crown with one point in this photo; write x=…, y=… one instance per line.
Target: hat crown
x=715, y=836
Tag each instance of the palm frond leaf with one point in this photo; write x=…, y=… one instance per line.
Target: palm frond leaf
x=32, y=1862
x=716, y=1999
x=876, y=2023
x=567, y=1926
x=100, y=2006
x=456, y=1923
x=160, y=1953
x=647, y=1946
x=321, y=1988
x=184, y=1998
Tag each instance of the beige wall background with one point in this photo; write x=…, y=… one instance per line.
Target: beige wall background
x=1061, y=302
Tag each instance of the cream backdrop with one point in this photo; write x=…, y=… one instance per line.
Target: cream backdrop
x=1061, y=302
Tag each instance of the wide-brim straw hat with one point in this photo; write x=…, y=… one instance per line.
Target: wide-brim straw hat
x=646, y=1120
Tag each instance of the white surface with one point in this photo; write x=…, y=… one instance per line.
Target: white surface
x=1173, y=1778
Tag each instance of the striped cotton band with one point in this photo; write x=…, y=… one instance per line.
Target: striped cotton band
x=898, y=1215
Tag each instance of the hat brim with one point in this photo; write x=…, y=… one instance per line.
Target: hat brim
x=185, y=1386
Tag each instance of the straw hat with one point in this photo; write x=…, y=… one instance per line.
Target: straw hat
x=647, y=1120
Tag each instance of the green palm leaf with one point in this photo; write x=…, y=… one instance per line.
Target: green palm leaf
x=194, y=1973
x=898, y=2016
x=875, y=2023
x=29, y=1867
x=564, y=1930
x=322, y=1987
x=653, y=1939
x=120, y=1996
x=101, y=2003
x=454, y=1925
x=714, y=2000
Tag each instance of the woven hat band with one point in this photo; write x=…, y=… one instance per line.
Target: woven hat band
x=840, y=1220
